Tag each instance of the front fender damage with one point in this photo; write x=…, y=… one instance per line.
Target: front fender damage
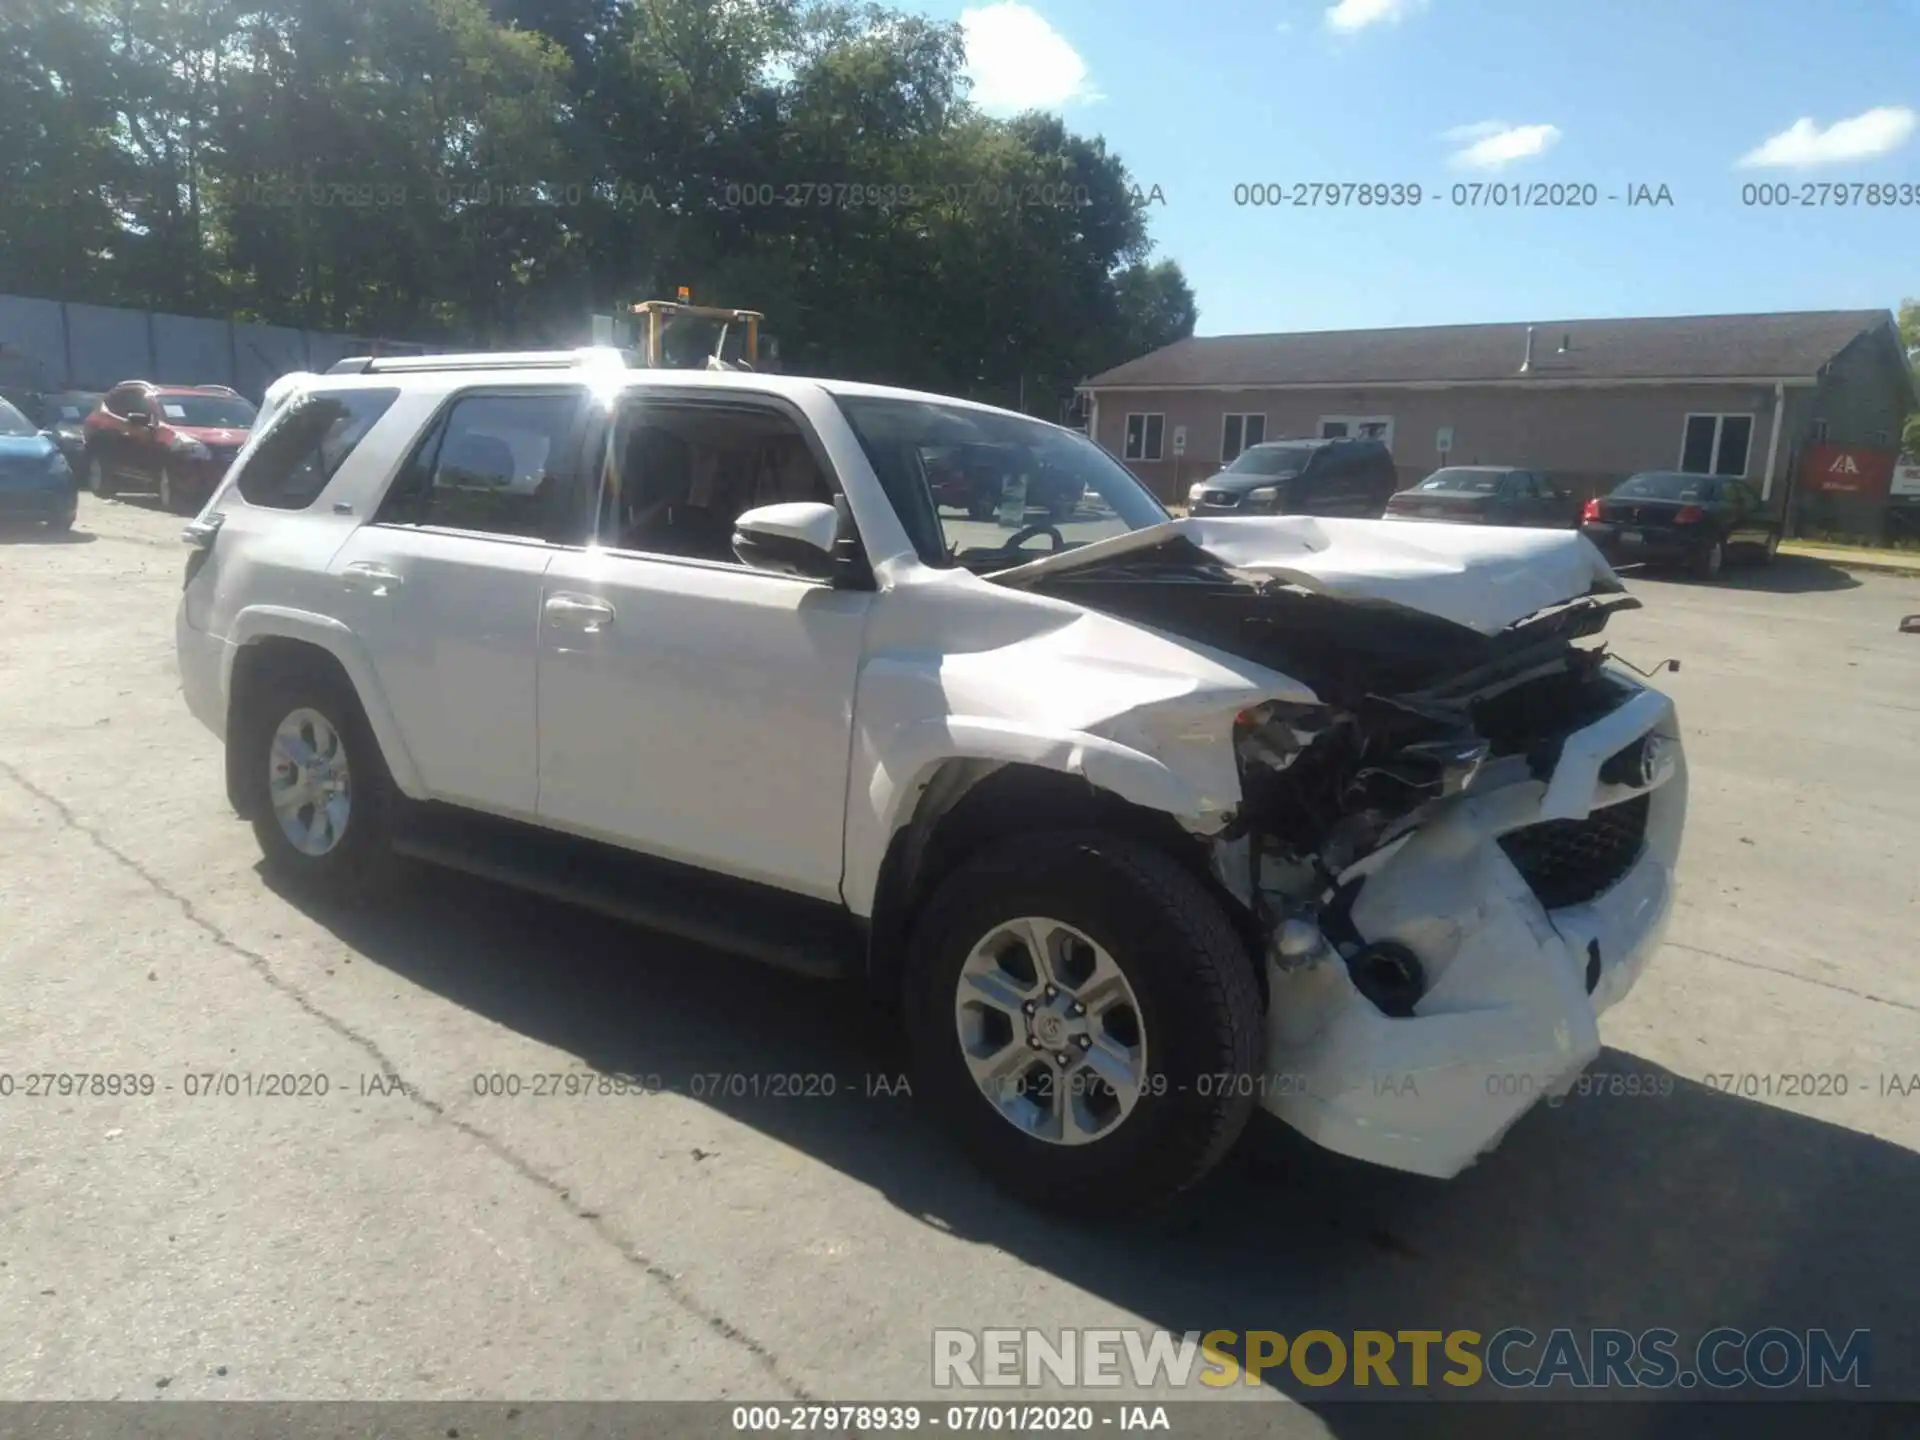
x=1461, y=850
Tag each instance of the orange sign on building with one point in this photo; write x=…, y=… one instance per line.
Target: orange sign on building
x=1847, y=470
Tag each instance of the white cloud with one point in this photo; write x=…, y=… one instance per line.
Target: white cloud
x=1803, y=143
x=1350, y=15
x=1017, y=61
x=1491, y=144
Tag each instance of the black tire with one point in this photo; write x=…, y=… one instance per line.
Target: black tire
x=1770, y=548
x=1709, y=560
x=98, y=480
x=361, y=865
x=980, y=508
x=1199, y=1008
x=172, y=494
x=60, y=524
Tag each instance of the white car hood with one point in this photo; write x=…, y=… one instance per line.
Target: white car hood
x=1484, y=578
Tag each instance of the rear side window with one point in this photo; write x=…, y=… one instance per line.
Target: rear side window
x=503, y=464
x=304, y=446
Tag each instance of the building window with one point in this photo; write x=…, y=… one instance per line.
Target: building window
x=1357, y=427
x=1144, y=434
x=1819, y=432
x=1716, y=444
x=1238, y=432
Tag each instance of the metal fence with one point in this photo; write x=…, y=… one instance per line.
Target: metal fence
x=54, y=345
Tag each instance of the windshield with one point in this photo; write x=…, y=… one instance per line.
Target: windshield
x=967, y=481
x=209, y=412
x=1278, y=460
x=1464, y=482
x=1663, y=487
x=12, y=422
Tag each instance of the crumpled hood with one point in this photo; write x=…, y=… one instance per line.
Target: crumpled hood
x=1484, y=579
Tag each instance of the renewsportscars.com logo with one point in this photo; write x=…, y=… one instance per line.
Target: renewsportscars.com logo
x=1722, y=1359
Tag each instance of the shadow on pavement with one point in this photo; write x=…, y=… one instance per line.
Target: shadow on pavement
x=15, y=534
x=1787, y=575
x=1688, y=1210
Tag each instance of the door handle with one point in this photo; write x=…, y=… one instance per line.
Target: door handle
x=375, y=579
x=584, y=611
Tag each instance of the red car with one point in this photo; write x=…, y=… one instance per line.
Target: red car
x=174, y=441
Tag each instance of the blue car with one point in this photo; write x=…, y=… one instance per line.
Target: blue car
x=36, y=483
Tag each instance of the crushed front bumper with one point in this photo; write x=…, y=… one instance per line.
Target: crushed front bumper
x=1514, y=989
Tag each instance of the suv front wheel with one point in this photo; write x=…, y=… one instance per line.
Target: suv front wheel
x=318, y=791
x=1084, y=1020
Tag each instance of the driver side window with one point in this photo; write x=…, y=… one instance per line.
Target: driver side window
x=676, y=474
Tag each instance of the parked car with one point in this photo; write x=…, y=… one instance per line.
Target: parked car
x=174, y=441
x=1487, y=495
x=694, y=648
x=1301, y=477
x=982, y=479
x=1699, y=521
x=63, y=414
x=36, y=483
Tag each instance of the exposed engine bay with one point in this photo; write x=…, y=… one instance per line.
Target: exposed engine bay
x=1415, y=707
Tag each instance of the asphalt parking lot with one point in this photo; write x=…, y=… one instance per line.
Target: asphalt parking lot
x=403, y=1236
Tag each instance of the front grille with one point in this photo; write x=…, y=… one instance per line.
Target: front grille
x=1225, y=499
x=1568, y=862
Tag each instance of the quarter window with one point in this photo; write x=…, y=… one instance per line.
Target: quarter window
x=1237, y=432
x=1145, y=434
x=1716, y=444
x=299, y=454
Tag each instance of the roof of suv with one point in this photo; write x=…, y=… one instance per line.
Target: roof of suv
x=463, y=372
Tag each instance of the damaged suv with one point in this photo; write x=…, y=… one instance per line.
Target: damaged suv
x=1135, y=824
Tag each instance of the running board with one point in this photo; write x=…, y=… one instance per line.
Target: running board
x=790, y=932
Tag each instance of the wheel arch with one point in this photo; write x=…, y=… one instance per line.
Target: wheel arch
x=269, y=641
x=968, y=804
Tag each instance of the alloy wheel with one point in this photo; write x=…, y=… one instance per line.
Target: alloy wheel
x=1051, y=1031
x=309, y=783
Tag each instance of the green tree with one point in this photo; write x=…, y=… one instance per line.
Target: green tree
x=490, y=171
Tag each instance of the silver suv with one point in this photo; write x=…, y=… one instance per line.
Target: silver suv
x=1137, y=823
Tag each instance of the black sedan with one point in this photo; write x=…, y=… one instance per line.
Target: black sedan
x=1486, y=495
x=1699, y=521
x=62, y=413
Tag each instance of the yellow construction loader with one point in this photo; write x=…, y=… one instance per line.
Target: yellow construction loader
x=679, y=335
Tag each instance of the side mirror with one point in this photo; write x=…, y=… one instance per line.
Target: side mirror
x=797, y=538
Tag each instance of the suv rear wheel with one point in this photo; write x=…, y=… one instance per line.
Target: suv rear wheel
x=97, y=480
x=318, y=791
x=1084, y=1020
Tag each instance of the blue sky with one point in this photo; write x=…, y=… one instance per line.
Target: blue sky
x=1199, y=96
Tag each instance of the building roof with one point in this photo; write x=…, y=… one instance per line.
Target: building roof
x=1791, y=345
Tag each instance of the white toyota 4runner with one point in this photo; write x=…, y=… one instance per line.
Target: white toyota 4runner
x=1136, y=822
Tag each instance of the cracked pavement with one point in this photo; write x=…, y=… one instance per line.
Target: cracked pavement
x=406, y=1236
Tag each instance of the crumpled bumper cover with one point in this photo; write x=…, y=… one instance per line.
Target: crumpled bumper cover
x=1507, y=1019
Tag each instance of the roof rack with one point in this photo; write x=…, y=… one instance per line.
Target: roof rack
x=589, y=357
x=219, y=390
